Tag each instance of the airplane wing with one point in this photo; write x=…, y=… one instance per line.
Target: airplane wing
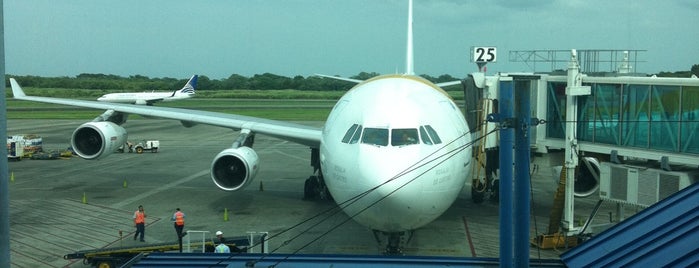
x=298, y=133
x=441, y=85
x=446, y=84
x=148, y=101
x=341, y=78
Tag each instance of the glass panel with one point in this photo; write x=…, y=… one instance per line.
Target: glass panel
x=664, y=113
x=404, y=136
x=425, y=138
x=635, y=118
x=349, y=133
x=690, y=120
x=606, y=121
x=555, y=110
x=375, y=136
x=586, y=117
x=433, y=134
x=356, y=136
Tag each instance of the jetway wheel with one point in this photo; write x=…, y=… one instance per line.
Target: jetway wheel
x=105, y=264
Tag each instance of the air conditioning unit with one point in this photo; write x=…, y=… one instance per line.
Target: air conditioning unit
x=641, y=186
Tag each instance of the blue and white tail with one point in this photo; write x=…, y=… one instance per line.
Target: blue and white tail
x=189, y=87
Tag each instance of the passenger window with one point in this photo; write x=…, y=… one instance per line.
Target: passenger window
x=350, y=133
x=404, y=136
x=433, y=134
x=357, y=134
x=425, y=138
x=375, y=136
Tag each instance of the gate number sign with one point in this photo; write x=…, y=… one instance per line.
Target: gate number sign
x=484, y=54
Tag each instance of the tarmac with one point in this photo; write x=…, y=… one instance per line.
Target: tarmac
x=62, y=206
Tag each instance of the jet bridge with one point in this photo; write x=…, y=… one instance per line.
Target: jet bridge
x=647, y=121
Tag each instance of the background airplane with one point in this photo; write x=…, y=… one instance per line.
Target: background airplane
x=394, y=153
x=148, y=98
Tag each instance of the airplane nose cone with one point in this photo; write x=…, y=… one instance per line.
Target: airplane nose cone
x=396, y=202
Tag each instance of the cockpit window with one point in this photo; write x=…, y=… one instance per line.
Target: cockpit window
x=349, y=133
x=375, y=136
x=433, y=134
x=425, y=138
x=357, y=134
x=429, y=135
x=404, y=136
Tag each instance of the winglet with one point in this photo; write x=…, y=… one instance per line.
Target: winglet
x=17, y=91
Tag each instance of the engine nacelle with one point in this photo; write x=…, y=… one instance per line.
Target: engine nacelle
x=187, y=124
x=586, y=180
x=234, y=168
x=94, y=140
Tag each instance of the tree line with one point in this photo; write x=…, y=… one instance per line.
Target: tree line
x=266, y=81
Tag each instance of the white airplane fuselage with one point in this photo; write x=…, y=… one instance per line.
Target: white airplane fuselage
x=143, y=97
x=393, y=104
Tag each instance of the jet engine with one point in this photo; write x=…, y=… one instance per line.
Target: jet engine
x=94, y=140
x=234, y=168
x=586, y=179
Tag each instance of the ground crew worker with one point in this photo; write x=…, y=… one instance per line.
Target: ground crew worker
x=222, y=248
x=219, y=236
x=139, y=220
x=178, y=219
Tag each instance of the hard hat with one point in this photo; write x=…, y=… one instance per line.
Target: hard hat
x=219, y=233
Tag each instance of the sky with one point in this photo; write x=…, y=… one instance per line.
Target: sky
x=217, y=38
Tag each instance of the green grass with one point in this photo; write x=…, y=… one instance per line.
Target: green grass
x=292, y=105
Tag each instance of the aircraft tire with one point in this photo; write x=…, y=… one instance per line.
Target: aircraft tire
x=477, y=196
x=309, y=186
x=496, y=191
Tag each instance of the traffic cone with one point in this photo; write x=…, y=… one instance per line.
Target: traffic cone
x=12, y=177
x=225, y=214
x=125, y=184
x=84, y=198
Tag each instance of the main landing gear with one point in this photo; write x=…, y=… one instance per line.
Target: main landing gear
x=315, y=188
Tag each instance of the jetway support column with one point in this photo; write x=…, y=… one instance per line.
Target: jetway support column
x=522, y=183
x=505, y=114
x=4, y=181
x=514, y=116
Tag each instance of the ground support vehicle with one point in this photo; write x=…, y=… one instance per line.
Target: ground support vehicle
x=115, y=257
x=147, y=145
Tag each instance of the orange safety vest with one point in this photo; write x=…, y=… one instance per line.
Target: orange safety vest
x=139, y=217
x=179, y=218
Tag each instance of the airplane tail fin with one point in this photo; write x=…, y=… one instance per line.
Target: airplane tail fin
x=17, y=91
x=189, y=87
x=409, y=68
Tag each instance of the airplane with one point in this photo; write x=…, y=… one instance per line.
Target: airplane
x=148, y=98
x=394, y=152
